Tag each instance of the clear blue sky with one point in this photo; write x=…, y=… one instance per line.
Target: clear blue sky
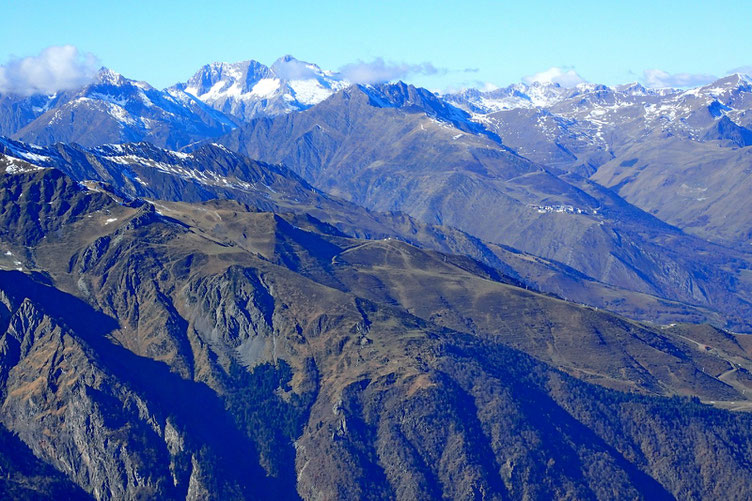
x=604, y=41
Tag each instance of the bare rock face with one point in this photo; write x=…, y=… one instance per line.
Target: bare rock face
x=24, y=476
x=74, y=415
x=233, y=310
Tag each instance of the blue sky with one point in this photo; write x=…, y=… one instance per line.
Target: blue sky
x=467, y=43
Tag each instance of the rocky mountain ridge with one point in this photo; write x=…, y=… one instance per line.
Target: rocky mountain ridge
x=112, y=109
x=213, y=172
x=249, y=89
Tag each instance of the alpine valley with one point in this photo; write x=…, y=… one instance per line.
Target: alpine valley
x=268, y=282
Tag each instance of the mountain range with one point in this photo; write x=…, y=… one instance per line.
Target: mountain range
x=642, y=143
x=436, y=168
x=272, y=282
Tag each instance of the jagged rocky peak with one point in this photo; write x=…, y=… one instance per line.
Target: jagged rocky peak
x=735, y=80
x=729, y=85
x=243, y=74
x=249, y=89
x=519, y=95
x=115, y=109
x=414, y=99
x=109, y=85
x=398, y=94
x=632, y=89
x=108, y=76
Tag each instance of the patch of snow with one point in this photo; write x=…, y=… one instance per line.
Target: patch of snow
x=311, y=91
x=208, y=178
x=114, y=110
x=14, y=168
x=109, y=98
x=266, y=87
x=559, y=209
x=33, y=157
x=181, y=155
x=221, y=147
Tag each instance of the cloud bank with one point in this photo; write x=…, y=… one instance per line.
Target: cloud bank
x=289, y=68
x=378, y=71
x=745, y=70
x=55, y=68
x=659, y=79
x=566, y=77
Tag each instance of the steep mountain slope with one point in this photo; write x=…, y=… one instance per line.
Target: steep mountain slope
x=112, y=109
x=703, y=187
x=126, y=372
x=24, y=476
x=451, y=291
x=142, y=170
x=16, y=111
x=249, y=89
x=387, y=150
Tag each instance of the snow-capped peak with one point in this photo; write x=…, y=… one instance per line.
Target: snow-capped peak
x=632, y=89
x=248, y=89
x=736, y=81
x=109, y=77
x=106, y=76
x=742, y=78
x=519, y=95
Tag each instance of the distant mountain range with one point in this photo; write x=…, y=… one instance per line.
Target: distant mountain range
x=114, y=109
x=679, y=154
x=395, y=147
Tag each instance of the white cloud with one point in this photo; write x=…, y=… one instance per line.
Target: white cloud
x=55, y=68
x=745, y=70
x=289, y=68
x=379, y=70
x=566, y=77
x=659, y=79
